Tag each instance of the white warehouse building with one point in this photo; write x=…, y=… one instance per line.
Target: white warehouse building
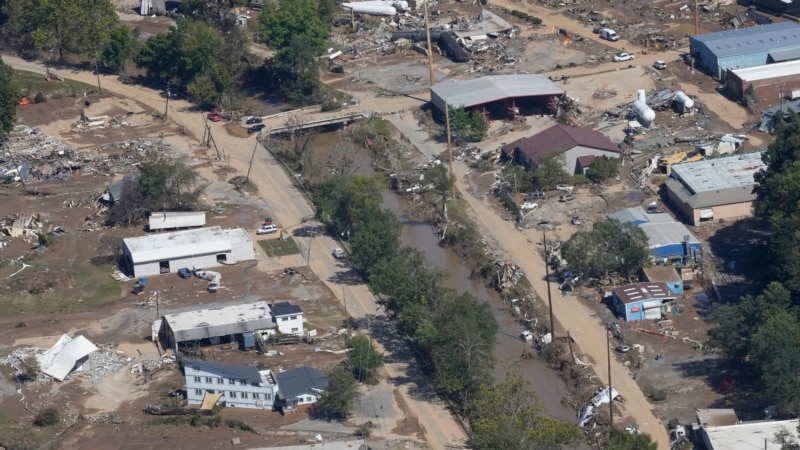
x=155, y=254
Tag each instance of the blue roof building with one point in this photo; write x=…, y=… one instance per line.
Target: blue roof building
x=669, y=241
x=744, y=47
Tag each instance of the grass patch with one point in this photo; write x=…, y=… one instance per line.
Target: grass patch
x=279, y=247
x=30, y=83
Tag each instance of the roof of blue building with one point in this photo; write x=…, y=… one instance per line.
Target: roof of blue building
x=760, y=38
x=661, y=229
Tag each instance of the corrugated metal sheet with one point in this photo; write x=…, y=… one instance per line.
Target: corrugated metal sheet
x=765, y=72
x=208, y=323
x=62, y=358
x=176, y=245
x=478, y=91
x=169, y=220
x=761, y=38
x=785, y=55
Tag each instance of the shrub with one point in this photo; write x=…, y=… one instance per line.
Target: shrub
x=47, y=417
x=39, y=98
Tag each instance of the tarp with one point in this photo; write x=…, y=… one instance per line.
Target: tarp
x=66, y=356
x=209, y=400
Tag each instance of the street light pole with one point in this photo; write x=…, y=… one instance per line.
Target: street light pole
x=549, y=294
x=610, y=395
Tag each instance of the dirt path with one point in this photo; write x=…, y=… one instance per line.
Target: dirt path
x=288, y=207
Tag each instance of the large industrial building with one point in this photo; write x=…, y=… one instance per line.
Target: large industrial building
x=714, y=189
x=669, y=241
x=577, y=147
x=497, y=93
x=200, y=248
x=745, y=47
x=235, y=323
x=770, y=82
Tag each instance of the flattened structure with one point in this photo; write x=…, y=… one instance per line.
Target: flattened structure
x=492, y=88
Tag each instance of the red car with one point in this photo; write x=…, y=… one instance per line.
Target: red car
x=214, y=116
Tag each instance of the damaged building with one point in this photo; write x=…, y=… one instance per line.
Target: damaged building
x=499, y=95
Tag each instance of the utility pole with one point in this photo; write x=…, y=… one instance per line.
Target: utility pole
x=166, y=108
x=430, y=52
x=549, y=294
x=696, y=19
x=346, y=314
x=97, y=72
x=449, y=148
x=250, y=166
x=610, y=395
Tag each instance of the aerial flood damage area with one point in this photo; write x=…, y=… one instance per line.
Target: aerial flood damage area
x=212, y=263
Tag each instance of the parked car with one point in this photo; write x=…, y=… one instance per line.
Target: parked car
x=660, y=65
x=624, y=56
x=564, y=187
x=253, y=120
x=536, y=195
x=339, y=253
x=184, y=272
x=529, y=205
x=214, y=116
x=256, y=128
x=566, y=198
x=267, y=229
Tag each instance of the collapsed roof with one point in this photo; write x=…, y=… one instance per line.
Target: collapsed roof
x=65, y=357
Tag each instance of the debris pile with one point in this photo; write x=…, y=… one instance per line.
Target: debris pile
x=104, y=361
x=88, y=124
x=507, y=275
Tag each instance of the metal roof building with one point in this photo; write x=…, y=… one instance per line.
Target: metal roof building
x=771, y=81
x=171, y=220
x=668, y=240
x=715, y=189
x=642, y=301
x=493, y=88
x=200, y=248
x=300, y=387
x=755, y=435
x=744, y=47
x=216, y=324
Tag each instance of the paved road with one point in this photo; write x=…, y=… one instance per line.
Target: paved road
x=289, y=207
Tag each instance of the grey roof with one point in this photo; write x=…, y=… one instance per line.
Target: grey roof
x=666, y=233
x=487, y=22
x=300, y=380
x=714, y=182
x=281, y=309
x=225, y=321
x=248, y=373
x=769, y=71
x=662, y=273
x=760, y=38
x=115, y=190
x=714, y=417
x=635, y=215
x=767, y=115
x=477, y=91
x=787, y=54
x=636, y=292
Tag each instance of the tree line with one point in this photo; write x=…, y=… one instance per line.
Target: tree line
x=453, y=333
x=761, y=333
x=205, y=56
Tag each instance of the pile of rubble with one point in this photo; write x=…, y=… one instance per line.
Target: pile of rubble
x=507, y=275
x=104, y=361
x=88, y=124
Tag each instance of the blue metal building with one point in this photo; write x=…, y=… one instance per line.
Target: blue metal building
x=643, y=301
x=744, y=47
x=669, y=241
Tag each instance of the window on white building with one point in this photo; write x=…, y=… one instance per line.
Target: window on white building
x=208, y=380
x=309, y=399
x=196, y=368
x=267, y=396
x=254, y=383
x=232, y=394
x=256, y=395
x=198, y=392
x=284, y=319
x=219, y=380
x=295, y=330
x=294, y=317
x=244, y=394
x=231, y=381
x=196, y=379
x=242, y=382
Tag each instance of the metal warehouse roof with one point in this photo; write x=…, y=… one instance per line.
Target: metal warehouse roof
x=785, y=55
x=208, y=323
x=165, y=220
x=754, y=435
x=178, y=244
x=477, y=91
x=761, y=38
x=783, y=69
x=638, y=292
x=721, y=173
x=638, y=215
x=666, y=233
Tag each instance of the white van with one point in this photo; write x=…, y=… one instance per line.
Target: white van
x=609, y=34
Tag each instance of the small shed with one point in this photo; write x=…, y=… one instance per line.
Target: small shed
x=666, y=274
x=173, y=220
x=643, y=301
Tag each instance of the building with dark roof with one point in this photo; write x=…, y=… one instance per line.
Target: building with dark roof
x=208, y=382
x=497, y=93
x=300, y=388
x=643, y=301
x=573, y=145
x=714, y=189
x=744, y=47
x=288, y=318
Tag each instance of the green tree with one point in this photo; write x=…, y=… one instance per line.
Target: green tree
x=377, y=240
x=603, y=168
x=622, y=440
x=47, y=417
x=340, y=395
x=775, y=351
x=363, y=356
x=295, y=71
x=510, y=416
x=283, y=22
x=467, y=126
x=548, y=173
x=347, y=202
x=8, y=100
x=208, y=87
x=609, y=246
x=121, y=45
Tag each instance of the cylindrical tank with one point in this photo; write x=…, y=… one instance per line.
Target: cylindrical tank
x=684, y=100
x=642, y=95
x=372, y=7
x=401, y=5
x=644, y=113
